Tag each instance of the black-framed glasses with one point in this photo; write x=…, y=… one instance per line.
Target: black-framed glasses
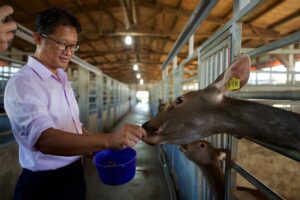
x=62, y=46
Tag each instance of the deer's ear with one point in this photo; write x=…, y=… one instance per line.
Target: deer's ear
x=238, y=71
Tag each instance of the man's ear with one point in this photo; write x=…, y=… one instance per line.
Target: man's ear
x=235, y=76
x=37, y=38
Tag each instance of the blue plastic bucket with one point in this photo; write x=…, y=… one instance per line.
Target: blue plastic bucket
x=115, y=167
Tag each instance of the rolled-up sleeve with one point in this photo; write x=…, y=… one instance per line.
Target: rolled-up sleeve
x=26, y=106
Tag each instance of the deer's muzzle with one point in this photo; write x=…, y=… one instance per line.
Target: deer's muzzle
x=150, y=129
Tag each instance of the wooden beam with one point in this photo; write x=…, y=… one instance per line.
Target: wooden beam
x=113, y=17
x=152, y=17
x=285, y=19
x=126, y=62
x=282, y=59
x=268, y=33
x=134, y=17
x=132, y=76
x=156, y=7
x=88, y=15
x=250, y=38
x=89, y=44
x=145, y=32
x=126, y=18
x=172, y=28
x=265, y=10
x=143, y=51
x=100, y=24
x=142, y=67
x=118, y=73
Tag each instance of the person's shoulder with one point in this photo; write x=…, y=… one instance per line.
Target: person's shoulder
x=24, y=75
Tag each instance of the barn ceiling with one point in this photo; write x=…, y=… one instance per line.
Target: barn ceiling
x=155, y=25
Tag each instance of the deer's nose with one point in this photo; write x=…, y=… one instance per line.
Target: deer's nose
x=149, y=128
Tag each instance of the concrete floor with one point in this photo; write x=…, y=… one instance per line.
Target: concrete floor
x=149, y=181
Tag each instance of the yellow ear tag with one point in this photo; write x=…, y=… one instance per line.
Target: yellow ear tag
x=233, y=84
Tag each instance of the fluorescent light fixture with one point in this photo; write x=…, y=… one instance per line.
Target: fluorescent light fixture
x=138, y=76
x=135, y=67
x=141, y=81
x=128, y=40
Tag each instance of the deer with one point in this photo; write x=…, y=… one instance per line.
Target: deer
x=209, y=111
x=208, y=158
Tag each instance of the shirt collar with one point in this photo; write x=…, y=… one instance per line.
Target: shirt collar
x=43, y=71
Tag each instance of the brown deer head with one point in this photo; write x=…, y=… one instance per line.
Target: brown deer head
x=192, y=116
x=206, y=112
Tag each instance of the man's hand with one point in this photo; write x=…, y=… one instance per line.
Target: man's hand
x=7, y=28
x=127, y=136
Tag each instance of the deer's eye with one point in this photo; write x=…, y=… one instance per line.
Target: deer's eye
x=178, y=100
x=202, y=145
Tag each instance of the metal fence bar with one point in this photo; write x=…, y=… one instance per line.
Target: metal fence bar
x=166, y=171
x=248, y=8
x=285, y=41
x=259, y=185
x=12, y=60
x=198, y=16
x=293, y=154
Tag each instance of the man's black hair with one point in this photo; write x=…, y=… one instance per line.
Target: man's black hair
x=48, y=20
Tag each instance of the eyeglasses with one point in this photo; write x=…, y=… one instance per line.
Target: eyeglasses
x=62, y=46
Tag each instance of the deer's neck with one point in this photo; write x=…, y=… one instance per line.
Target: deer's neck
x=215, y=178
x=257, y=121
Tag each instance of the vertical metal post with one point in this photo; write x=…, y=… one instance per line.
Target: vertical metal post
x=99, y=101
x=165, y=84
x=175, y=63
x=291, y=59
x=83, y=92
x=236, y=42
x=200, y=70
x=191, y=45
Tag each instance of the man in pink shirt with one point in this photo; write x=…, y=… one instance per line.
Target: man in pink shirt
x=44, y=115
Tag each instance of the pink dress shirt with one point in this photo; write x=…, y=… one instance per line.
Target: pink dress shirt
x=35, y=100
